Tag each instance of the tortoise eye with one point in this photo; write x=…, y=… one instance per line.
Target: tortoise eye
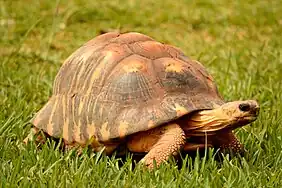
x=244, y=107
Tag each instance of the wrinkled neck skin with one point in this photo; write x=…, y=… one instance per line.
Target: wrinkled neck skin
x=210, y=122
x=214, y=128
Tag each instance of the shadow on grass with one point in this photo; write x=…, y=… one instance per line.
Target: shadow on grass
x=123, y=156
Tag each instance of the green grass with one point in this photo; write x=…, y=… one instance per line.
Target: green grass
x=238, y=41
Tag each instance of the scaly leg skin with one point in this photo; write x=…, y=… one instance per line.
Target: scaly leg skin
x=228, y=142
x=94, y=146
x=36, y=136
x=225, y=141
x=76, y=147
x=161, y=142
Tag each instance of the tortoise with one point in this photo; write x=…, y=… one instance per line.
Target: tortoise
x=130, y=90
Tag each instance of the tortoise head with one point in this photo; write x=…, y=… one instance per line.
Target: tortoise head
x=226, y=117
x=239, y=113
x=218, y=124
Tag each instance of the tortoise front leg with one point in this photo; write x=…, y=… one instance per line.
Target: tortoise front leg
x=228, y=142
x=160, y=143
x=225, y=141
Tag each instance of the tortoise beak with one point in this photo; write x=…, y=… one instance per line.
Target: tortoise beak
x=255, y=108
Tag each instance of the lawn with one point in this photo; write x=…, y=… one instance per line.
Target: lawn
x=238, y=41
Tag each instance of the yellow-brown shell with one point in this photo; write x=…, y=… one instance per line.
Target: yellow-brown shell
x=119, y=84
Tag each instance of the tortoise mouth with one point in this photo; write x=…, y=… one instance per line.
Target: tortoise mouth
x=242, y=122
x=247, y=119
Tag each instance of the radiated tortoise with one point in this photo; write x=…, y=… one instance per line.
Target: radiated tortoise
x=130, y=90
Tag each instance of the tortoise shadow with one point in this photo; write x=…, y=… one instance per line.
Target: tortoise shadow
x=122, y=156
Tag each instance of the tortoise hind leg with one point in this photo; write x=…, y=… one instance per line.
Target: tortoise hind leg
x=35, y=133
x=31, y=135
x=160, y=143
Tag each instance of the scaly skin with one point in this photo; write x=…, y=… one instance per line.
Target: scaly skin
x=227, y=117
x=160, y=143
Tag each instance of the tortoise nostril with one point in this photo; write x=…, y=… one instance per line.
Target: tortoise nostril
x=244, y=107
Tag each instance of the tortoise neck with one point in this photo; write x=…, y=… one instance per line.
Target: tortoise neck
x=205, y=122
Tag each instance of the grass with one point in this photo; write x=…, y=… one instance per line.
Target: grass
x=238, y=41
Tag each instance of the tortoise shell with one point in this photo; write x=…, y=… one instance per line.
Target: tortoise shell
x=119, y=84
